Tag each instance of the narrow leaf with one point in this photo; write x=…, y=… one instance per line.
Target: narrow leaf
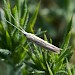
x=50, y=72
x=63, y=55
x=16, y=15
x=8, y=40
x=33, y=20
x=67, y=35
x=68, y=67
x=67, y=41
x=7, y=9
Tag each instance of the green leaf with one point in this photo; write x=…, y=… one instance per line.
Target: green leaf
x=32, y=21
x=8, y=40
x=45, y=38
x=7, y=9
x=37, y=60
x=67, y=35
x=31, y=65
x=73, y=70
x=50, y=40
x=24, y=14
x=19, y=3
x=63, y=55
x=39, y=32
x=49, y=70
x=69, y=26
x=16, y=16
x=68, y=68
x=62, y=72
x=67, y=39
x=57, y=66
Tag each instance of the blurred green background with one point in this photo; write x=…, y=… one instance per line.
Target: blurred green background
x=53, y=17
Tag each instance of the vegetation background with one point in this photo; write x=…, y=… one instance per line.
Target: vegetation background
x=51, y=20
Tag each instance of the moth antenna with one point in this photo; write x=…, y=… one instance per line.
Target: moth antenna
x=16, y=21
x=15, y=27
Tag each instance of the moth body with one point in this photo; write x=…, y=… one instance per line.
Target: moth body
x=42, y=43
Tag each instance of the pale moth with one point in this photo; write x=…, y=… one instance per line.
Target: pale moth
x=36, y=40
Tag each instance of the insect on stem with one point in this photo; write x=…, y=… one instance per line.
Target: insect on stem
x=36, y=39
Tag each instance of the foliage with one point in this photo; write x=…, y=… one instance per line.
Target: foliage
x=26, y=57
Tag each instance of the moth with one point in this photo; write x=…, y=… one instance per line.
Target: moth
x=35, y=39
